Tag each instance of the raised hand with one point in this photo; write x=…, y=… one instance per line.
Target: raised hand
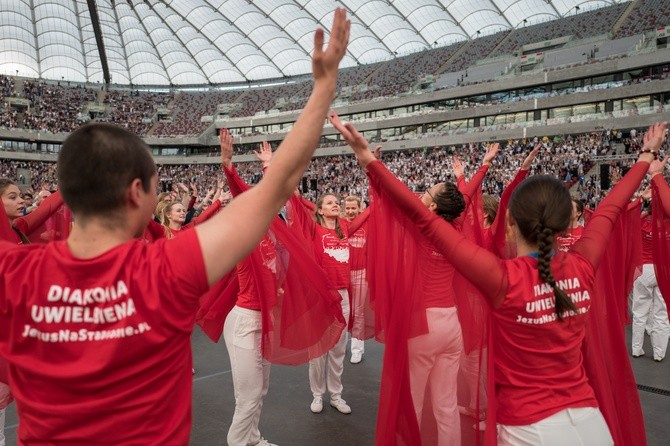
x=353, y=137
x=458, y=167
x=325, y=63
x=226, y=141
x=378, y=152
x=491, y=153
x=657, y=167
x=654, y=137
x=264, y=154
x=531, y=157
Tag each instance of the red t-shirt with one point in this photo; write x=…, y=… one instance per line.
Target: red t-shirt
x=99, y=349
x=538, y=358
x=332, y=253
x=569, y=238
x=248, y=296
x=437, y=278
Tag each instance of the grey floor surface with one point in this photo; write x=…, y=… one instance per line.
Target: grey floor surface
x=287, y=420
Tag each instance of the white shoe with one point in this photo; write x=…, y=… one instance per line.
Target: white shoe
x=264, y=442
x=637, y=354
x=341, y=405
x=317, y=405
x=356, y=357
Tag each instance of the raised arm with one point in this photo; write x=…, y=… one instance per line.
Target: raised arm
x=593, y=241
x=29, y=223
x=476, y=264
x=499, y=222
x=237, y=229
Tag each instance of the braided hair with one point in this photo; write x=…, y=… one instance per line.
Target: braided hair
x=449, y=201
x=541, y=207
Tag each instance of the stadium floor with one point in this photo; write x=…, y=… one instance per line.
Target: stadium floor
x=287, y=420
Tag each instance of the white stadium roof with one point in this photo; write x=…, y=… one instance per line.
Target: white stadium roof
x=200, y=42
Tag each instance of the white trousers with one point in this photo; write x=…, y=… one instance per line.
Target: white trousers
x=359, y=288
x=649, y=308
x=251, y=374
x=325, y=372
x=584, y=426
x=434, y=360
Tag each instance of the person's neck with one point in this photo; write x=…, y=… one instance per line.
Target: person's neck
x=329, y=222
x=175, y=226
x=523, y=248
x=574, y=224
x=94, y=239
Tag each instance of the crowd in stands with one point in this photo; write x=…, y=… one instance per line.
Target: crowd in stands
x=134, y=110
x=55, y=108
x=568, y=158
x=648, y=15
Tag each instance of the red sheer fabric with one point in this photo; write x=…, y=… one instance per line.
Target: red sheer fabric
x=56, y=227
x=362, y=318
x=661, y=234
x=471, y=261
x=302, y=319
x=400, y=273
x=606, y=358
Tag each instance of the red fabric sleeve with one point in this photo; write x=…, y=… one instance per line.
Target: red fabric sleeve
x=29, y=223
x=606, y=359
x=311, y=207
x=662, y=192
x=235, y=183
x=474, y=184
x=359, y=221
x=300, y=217
x=461, y=183
x=593, y=242
x=498, y=226
x=208, y=213
x=661, y=233
x=191, y=203
x=475, y=263
x=6, y=232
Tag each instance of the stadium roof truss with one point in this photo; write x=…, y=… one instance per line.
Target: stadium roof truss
x=212, y=42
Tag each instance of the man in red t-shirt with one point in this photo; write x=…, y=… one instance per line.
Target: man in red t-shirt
x=96, y=328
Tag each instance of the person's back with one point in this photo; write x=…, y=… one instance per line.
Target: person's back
x=101, y=341
x=95, y=329
x=533, y=346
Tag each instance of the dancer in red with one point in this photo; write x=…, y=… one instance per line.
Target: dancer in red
x=98, y=335
x=539, y=299
x=433, y=345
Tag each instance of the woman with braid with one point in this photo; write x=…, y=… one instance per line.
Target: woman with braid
x=539, y=299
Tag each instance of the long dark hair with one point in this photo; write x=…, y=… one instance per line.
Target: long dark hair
x=541, y=207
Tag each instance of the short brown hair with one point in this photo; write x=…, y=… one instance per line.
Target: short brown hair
x=97, y=163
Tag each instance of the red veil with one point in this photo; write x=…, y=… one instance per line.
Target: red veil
x=661, y=234
x=394, y=272
x=606, y=358
x=302, y=319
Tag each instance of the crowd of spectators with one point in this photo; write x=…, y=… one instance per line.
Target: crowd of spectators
x=57, y=108
x=568, y=158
